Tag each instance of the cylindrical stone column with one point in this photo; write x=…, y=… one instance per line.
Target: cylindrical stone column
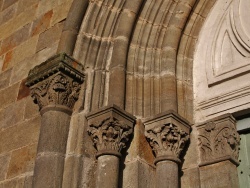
x=55, y=87
x=107, y=171
x=167, y=134
x=110, y=129
x=167, y=174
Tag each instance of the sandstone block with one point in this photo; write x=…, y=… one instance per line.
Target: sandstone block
x=49, y=37
x=42, y=23
x=12, y=114
x=4, y=163
x=23, y=5
x=7, y=14
x=22, y=161
x=15, y=39
x=5, y=79
x=8, y=95
x=19, y=135
x=8, y=3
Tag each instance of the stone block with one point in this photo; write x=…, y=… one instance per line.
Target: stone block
x=18, y=182
x=22, y=161
x=7, y=60
x=190, y=178
x=20, y=135
x=23, y=5
x=138, y=174
x=15, y=39
x=23, y=51
x=23, y=90
x=21, y=70
x=60, y=13
x=17, y=22
x=8, y=3
x=8, y=95
x=5, y=79
x=49, y=37
x=12, y=114
x=42, y=23
x=31, y=109
x=8, y=14
x=222, y=174
x=45, y=6
x=4, y=163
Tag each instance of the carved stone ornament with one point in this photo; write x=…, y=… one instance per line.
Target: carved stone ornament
x=110, y=129
x=219, y=140
x=57, y=81
x=167, y=139
x=167, y=134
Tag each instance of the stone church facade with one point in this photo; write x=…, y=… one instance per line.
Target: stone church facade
x=124, y=93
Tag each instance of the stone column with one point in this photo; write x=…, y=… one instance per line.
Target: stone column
x=219, y=151
x=110, y=129
x=167, y=134
x=55, y=87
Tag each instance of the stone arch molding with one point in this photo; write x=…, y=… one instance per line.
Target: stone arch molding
x=228, y=49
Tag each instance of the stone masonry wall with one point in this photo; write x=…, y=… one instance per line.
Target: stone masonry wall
x=29, y=34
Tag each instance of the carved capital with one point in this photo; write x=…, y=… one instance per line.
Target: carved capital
x=167, y=134
x=110, y=129
x=219, y=140
x=57, y=81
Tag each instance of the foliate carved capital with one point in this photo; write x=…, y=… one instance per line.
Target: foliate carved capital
x=110, y=129
x=167, y=134
x=57, y=81
x=219, y=140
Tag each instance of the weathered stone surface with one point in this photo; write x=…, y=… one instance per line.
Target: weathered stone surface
x=48, y=171
x=8, y=13
x=42, y=23
x=8, y=119
x=167, y=134
x=167, y=174
x=8, y=95
x=22, y=161
x=4, y=163
x=190, y=178
x=49, y=37
x=219, y=140
x=107, y=171
x=222, y=174
x=5, y=79
x=23, y=90
x=8, y=3
x=31, y=109
x=20, y=135
x=110, y=129
x=138, y=174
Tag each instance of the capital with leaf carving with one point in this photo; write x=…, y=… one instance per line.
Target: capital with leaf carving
x=110, y=129
x=56, y=83
x=167, y=134
x=219, y=140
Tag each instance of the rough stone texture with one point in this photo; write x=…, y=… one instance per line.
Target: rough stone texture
x=167, y=174
x=22, y=161
x=107, y=171
x=4, y=163
x=222, y=174
x=137, y=54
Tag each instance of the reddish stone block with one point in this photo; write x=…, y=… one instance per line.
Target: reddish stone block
x=42, y=23
x=15, y=39
x=22, y=160
x=23, y=90
x=7, y=60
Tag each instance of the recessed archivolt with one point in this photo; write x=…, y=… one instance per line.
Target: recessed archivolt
x=151, y=68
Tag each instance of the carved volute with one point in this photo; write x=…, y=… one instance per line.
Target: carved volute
x=55, y=82
x=110, y=129
x=219, y=140
x=167, y=134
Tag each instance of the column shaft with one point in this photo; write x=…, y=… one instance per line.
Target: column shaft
x=167, y=175
x=51, y=150
x=107, y=171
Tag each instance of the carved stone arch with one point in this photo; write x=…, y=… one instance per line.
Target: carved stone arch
x=151, y=71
